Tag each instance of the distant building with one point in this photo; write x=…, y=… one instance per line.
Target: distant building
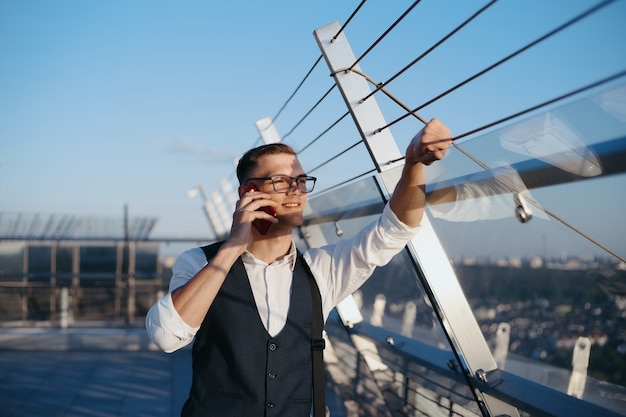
x=109, y=266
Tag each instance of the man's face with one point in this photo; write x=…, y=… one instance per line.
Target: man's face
x=290, y=203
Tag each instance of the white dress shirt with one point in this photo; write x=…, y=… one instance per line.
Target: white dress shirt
x=339, y=270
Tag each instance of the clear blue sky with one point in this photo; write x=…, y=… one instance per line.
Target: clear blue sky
x=107, y=103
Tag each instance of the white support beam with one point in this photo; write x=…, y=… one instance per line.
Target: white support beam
x=267, y=130
x=440, y=280
x=222, y=212
x=230, y=193
x=354, y=87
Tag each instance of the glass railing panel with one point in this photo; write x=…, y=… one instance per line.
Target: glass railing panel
x=392, y=297
x=536, y=239
x=404, y=384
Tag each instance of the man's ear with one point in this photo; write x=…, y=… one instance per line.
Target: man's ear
x=242, y=189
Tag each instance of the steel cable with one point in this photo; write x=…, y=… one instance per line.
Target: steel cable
x=381, y=37
x=500, y=62
x=428, y=51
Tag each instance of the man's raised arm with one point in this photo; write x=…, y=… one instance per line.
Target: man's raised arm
x=409, y=197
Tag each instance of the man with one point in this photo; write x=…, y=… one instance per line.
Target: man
x=247, y=302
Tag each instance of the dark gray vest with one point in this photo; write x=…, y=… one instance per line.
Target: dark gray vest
x=239, y=370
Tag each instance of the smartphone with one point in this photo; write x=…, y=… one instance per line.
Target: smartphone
x=262, y=225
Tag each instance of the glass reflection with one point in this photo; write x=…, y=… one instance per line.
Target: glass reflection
x=547, y=137
x=494, y=194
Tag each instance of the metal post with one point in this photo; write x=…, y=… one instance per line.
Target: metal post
x=75, y=281
x=53, y=279
x=408, y=319
x=65, y=308
x=25, y=286
x=501, y=350
x=379, y=310
x=580, y=362
x=130, y=309
x=119, y=279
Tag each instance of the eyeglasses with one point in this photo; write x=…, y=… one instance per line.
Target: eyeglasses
x=283, y=183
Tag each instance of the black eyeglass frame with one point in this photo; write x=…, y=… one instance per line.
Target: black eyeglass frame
x=292, y=181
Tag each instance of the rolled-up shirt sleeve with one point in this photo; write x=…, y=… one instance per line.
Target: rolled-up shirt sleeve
x=341, y=268
x=164, y=325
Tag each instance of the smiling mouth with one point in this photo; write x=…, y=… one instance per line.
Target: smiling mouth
x=291, y=205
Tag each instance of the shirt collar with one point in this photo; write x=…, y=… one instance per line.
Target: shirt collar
x=290, y=258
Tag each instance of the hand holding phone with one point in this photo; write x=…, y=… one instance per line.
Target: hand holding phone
x=262, y=225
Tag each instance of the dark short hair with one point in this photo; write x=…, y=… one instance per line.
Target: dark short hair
x=250, y=159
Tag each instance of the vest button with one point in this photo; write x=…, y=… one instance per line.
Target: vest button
x=270, y=405
x=271, y=375
x=273, y=346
